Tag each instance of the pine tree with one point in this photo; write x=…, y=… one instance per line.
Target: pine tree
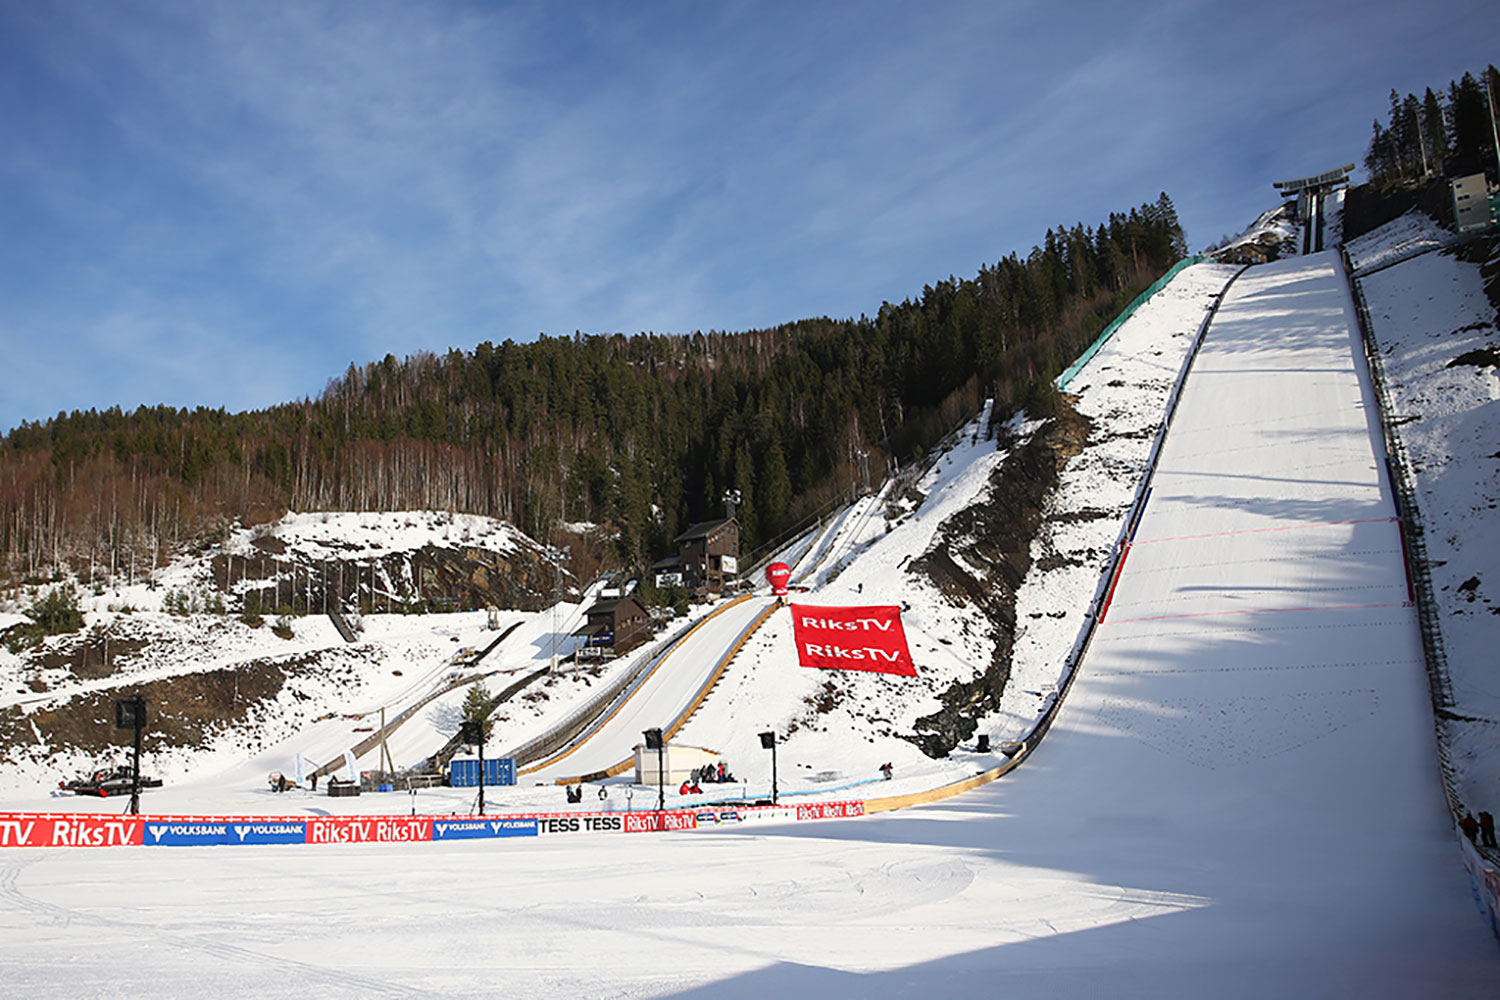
x=1411, y=125
x=775, y=490
x=476, y=705
x=1167, y=220
x=1378, y=157
x=1435, y=131
x=1471, y=127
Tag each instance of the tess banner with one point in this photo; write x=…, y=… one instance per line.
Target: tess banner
x=852, y=639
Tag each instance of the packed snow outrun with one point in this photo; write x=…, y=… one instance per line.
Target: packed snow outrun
x=1239, y=794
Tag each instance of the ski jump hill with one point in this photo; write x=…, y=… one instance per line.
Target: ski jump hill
x=1239, y=794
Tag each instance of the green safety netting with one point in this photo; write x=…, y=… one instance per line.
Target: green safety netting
x=1114, y=324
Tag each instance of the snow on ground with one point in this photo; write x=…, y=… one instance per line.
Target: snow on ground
x=845, y=738
x=1124, y=390
x=398, y=660
x=1426, y=313
x=1273, y=228
x=1333, y=217
x=372, y=534
x=1413, y=234
x=1255, y=698
x=406, y=657
x=837, y=727
x=1215, y=812
x=308, y=540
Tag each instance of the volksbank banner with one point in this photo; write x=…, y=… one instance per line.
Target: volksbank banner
x=838, y=638
x=180, y=834
x=476, y=829
x=190, y=833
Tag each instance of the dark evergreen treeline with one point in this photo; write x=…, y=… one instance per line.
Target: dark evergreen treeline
x=1450, y=134
x=639, y=434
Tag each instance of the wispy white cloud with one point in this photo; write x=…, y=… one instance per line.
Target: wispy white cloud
x=297, y=186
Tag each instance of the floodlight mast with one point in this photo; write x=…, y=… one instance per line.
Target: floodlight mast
x=472, y=731
x=768, y=742
x=135, y=770
x=655, y=742
x=130, y=713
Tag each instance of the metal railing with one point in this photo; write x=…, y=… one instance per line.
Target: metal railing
x=1398, y=471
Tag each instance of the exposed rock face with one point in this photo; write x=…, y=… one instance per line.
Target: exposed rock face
x=980, y=558
x=443, y=577
x=477, y=577
x=183, y=711
x=191, y=708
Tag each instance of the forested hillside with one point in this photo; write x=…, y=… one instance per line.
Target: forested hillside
x=1449, y=133
x=638, y=434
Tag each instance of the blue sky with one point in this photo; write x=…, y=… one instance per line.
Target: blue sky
x=226, y=204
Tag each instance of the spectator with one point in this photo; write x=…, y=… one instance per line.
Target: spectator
x=1469, y=825
x=1486, y=829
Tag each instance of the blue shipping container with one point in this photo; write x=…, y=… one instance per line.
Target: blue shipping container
x=465, y=773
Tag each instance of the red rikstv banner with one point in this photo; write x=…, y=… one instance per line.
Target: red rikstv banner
x=869, y=638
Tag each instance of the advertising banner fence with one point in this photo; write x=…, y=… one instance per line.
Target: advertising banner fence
x=852, y=638
x=95, y=830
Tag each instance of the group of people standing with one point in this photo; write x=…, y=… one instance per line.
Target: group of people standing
x=1483, y=828
x=708, y=774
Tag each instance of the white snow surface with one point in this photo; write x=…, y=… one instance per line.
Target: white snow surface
x=1412, y=235
x=1426, y=312
x=377, y=533
x=1239, y=797
x=1274, y=227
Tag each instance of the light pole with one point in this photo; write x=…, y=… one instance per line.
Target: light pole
x=768, y=742
x=472, y=731
x=557, y=555
x=733, y=498
x=130, y=713
x=654, y=742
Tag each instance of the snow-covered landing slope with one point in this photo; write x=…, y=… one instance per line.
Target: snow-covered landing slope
x=668, y=691
x=1250, y=734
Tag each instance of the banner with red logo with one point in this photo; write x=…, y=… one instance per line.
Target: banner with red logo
x=830, y=810
x=79, y=830
x=869, y=638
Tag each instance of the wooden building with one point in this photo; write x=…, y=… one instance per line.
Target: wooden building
x=613, y=628
x=709, y=553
